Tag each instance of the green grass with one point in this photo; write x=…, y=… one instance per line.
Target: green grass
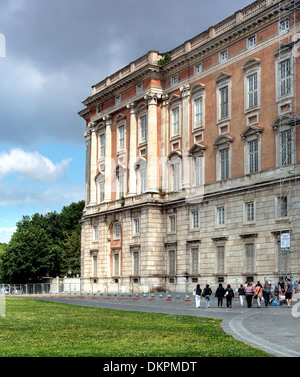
x=34, y=328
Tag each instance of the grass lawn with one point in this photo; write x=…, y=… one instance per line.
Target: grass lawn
x=34, y=328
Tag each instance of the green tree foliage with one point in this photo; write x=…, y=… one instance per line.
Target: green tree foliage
x=43, y=245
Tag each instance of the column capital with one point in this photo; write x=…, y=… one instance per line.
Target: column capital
x=152, y=98
x=132, y=107
x=185, y=90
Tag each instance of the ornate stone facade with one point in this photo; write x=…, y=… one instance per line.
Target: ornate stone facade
x=192, y=166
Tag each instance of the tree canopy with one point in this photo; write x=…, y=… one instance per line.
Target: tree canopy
x=43, y=246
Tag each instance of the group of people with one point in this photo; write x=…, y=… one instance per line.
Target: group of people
x=220, y=293
x=262, y=293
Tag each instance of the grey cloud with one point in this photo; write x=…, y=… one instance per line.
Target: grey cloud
x=72, y=44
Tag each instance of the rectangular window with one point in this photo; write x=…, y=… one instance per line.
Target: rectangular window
x=172, y=224
x=175, y=121
x=195, y=219
x=143, y=128
x=251, y=42
x=172, y=262
x=250, y=211
x=121, y=186
x=95, y=232
x=139, y=88
x=223, y=56
x=284, y=25
x=286, y=147
x=282, y=206
x=121, y=137
x=143, y=180
x=136, y=226
x=221, y=216
x=224, y=102
x=252, y=91
x=174, y=79
x=118, y=99
x=253, y=156
x=224, y=161
x=102, y=192
x=285, y=77
x=102, y=145
x=198, y=116
x=198, y=68
x=117, y=231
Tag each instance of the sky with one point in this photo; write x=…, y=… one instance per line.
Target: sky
x=51, y=53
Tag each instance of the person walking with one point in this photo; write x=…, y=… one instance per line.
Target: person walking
x=229, y=294
x=220, y=292
x=288, y=292
x=249, y=293
x=277, y=291
x=258, y=293
x=266, y=292
x=198, y=292
x=241, y=292
x=206, y=293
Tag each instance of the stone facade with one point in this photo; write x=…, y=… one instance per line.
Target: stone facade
x=192, y=163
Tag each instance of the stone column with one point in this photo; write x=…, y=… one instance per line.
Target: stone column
x=164, y=143
x=108, y=159
x=87, y=136
x=132, y=150
x=93, y=164
x=152, y=150
x=185, y=135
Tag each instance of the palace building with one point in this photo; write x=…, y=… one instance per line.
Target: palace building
x=192, y=160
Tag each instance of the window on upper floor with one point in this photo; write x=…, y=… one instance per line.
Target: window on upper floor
x=139, y=88
x=136, y=226
x=197, y=68
x=284, y=76
x=284, y=25
x=223, y=157
x=174, y=79
x=251, y=41
x=143, y=128
x=118, y=99
x=285, y=138
x=249, y=213
x=195, y=219
x=175, y=123
x=220, y=216
x=95, y=232
x=223, y=56
x=121, y=137
x=223, y=81
x=102, y=144
x=251, y=84
x=171, y=223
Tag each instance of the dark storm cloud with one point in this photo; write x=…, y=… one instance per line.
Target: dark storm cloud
x=57, y=49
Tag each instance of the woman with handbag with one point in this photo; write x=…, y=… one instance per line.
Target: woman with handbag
x=258, y=293
x=249, y=292
x=229, y=294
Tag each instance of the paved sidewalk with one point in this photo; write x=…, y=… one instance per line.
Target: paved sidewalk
x=275, y=329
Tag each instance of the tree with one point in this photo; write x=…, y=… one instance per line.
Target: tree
x=43, y=245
